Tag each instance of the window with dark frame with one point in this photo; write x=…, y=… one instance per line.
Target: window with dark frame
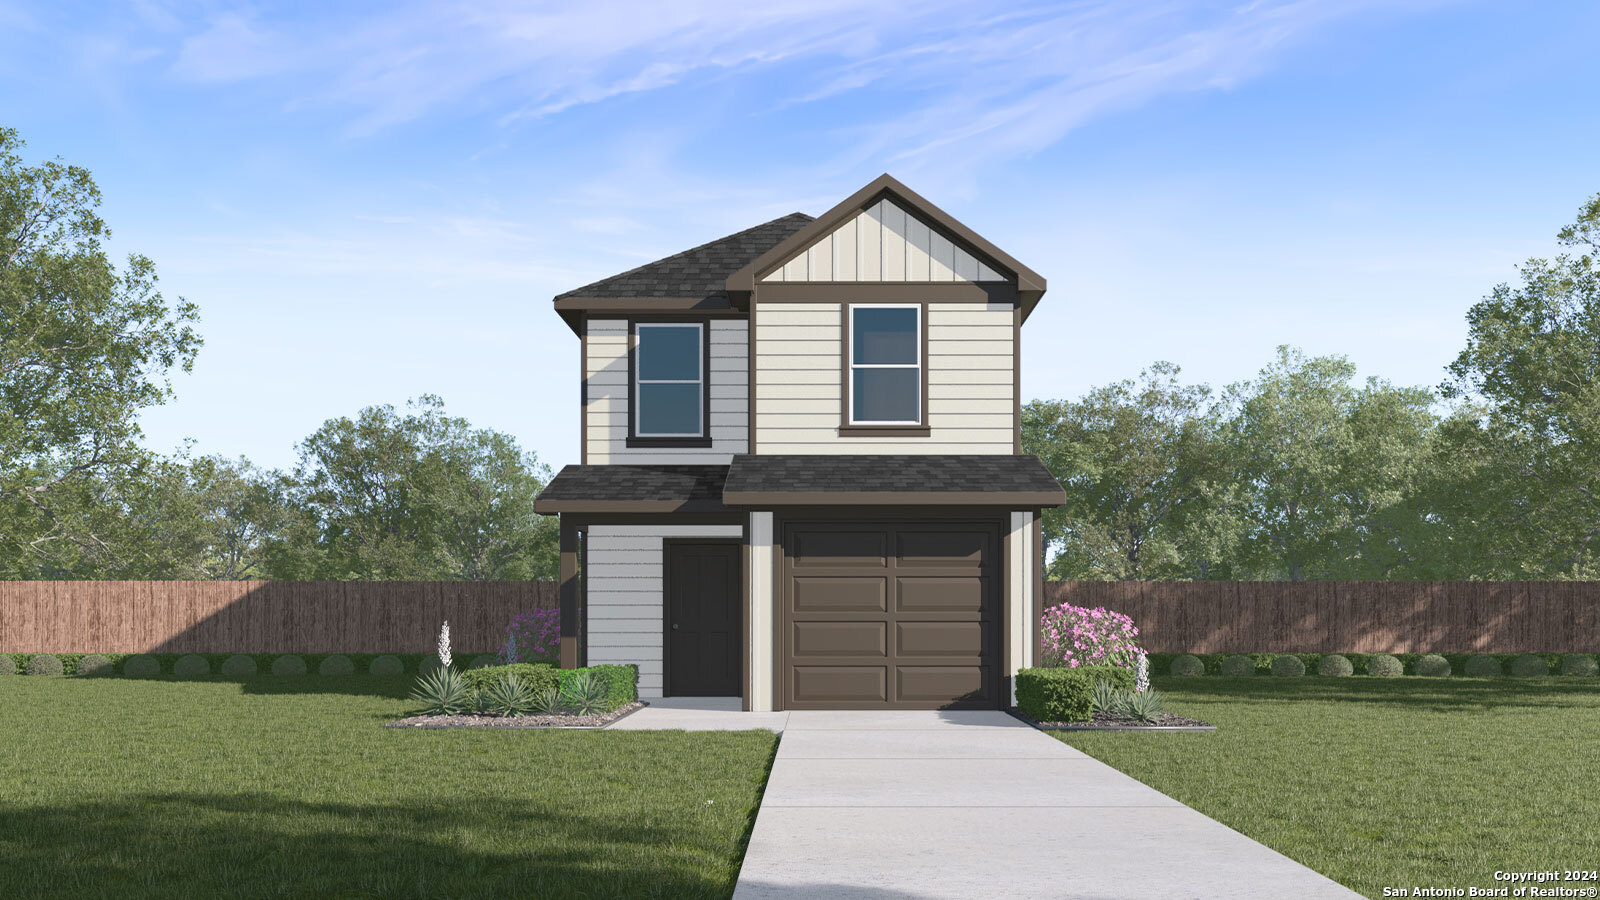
x=886, y=362
x=669, y=380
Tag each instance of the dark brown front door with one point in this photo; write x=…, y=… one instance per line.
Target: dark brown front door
x=705, y=652
x=891, y=615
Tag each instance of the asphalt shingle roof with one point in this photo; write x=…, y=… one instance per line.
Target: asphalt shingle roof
x=889, y=474
x=699, y=272
x=665, y=487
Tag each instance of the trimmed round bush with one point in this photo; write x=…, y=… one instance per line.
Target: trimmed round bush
x=1432, y=666
x=1238, y=666
x=431, y=664
x=45, y=664
x=288, y=665
x=141, y=666
x=1383, y=665
x=1482, y=666
x=94, y=664
x=191, y=665
x=484, y=661
x=238, y=666
x=1335, y=665
x=1579, y=664
x=1288, y=666
x=8, y=666
x=1529, y=665
x=386, y=665
x=1187, y=666
x=337, y=664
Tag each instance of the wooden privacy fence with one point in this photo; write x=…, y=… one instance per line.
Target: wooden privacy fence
x=261, y=616
x=1349, y=616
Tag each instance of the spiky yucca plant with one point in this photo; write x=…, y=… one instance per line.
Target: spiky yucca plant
x=443, y=692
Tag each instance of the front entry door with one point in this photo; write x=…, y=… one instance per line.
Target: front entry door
x=705, y=653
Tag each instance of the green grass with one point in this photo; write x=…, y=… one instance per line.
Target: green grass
x=289, y=788
x=1386, y=782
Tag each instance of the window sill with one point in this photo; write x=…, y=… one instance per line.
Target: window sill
x=668, y=442
x=884, y=431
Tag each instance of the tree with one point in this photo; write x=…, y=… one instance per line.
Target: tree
x=1137, y=461
x=83, y=348
x=1525, y=440
x=418, y=496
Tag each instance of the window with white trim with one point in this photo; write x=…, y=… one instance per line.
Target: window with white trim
x=669, y=380
x=885, y=364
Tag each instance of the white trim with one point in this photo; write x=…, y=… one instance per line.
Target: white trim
x=851, y=365
x=639, y=379
x=759, y=690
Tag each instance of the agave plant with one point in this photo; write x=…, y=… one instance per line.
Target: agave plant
x=443, y=692
x=509, y=696
x=1143, y=706
x=1104, y=697
x=587, y=694
x=547, y=702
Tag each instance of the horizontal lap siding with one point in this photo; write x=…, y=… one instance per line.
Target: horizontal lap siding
x=606, y=374
x=799, y=392
x=624, y=594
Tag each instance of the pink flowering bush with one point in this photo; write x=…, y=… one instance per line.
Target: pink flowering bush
x=532, y=636
x=1075, y=636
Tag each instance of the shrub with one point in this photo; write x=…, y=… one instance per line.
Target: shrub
x=337, y=664
x=532, y=636
x=1187, y=666
x=387, y=665
x=1483, y=666
x=289, y=665
x=1105, y=697
x=1288, y=666
x=142, y=665
x=238, y=666
x=45, y=664
x=1432, y=666
x=1335, y=665
x=508, y=696
x=429, y=665
x=587, y=693
x=1065, y=695
x=1238, y=666
x=191, y=665
x=8, y=666
x=1382, y=665
x=484, y=661
x=1579, y=664
x=443, y=692
x=546, y=702
x=1529, y=665
x=94, y=664
x=1075, y=636
x=623, y=681
x=538, y=676
x=1142, y=706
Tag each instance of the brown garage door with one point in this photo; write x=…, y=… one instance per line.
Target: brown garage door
x=890, y=615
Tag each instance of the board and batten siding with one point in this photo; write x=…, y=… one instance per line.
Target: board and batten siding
x=606, y=391
x=624, y=590
x=884, y=243
x=799, y=391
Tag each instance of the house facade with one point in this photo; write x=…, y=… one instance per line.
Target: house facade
x=802, y=481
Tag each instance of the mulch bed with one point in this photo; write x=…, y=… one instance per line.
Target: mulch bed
x=1107, y=722
x=549, y=721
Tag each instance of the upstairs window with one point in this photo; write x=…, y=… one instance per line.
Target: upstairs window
x=669, y=380
x=885, y=365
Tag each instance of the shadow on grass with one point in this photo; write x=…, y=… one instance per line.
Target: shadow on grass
x=257, y=845
x=1440, y=694
x=395, y=686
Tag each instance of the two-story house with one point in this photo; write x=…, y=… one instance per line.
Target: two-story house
x=802, y=480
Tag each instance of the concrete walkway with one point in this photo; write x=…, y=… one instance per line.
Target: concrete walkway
x=892, y=805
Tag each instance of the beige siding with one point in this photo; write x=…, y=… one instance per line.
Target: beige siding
x=798, y=352
x=884, y=243
x=606, y=371
x=624, y=590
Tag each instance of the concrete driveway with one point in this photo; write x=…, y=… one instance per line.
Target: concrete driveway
x=884, y=805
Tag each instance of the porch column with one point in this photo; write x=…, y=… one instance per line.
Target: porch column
x=759, y=615
x=569, y=594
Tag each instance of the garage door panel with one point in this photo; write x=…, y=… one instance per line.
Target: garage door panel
x=942, y=548
x=956, y=639
x=814, y=639
x=922, y=684
x=964, y=594
x=827, y=684
x=839, y=548
x=811, y=594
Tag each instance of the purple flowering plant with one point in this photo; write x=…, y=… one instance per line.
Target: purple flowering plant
x=532, y=636
x=1076, y=636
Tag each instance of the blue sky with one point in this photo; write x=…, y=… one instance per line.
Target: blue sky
x=374, y=201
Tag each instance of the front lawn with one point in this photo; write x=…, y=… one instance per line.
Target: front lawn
x=1380, y=782
x=265, y=787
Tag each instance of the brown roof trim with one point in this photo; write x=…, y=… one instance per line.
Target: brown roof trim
x=888, y=292
x=1012, y=499
x=554, y=507
x=571, y=309
x=744, y=280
